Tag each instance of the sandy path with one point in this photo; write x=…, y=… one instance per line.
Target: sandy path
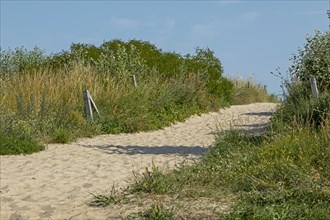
x=56, y=183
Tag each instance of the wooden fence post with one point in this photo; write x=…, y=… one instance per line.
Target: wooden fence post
x=89, y=104
x=134, y=81
x=315, y=91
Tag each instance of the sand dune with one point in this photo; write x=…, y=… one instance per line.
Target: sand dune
x=56, y=183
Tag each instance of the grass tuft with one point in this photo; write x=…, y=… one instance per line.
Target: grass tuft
x=155, y=212
x=150, y=181
x=112, y=198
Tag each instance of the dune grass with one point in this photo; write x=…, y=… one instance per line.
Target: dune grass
x=49, y=104
x=247, y=91
x=41, y=96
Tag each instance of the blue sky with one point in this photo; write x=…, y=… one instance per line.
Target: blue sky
x=251, y=38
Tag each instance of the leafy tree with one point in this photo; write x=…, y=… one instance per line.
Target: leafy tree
x=313, y=60
x=86, y=51
x=20, y=60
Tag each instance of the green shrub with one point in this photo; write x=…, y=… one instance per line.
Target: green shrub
x=20, y=60
x=13, y=144
x=17, y=137
x=313, y=61
x=150, y=181
x=142, y=58
x=62, y=136
x=300, y=107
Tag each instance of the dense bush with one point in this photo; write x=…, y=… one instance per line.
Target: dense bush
x=20, y=60
x=44, y=92
x=140, y=57
x=300, y=107
x=122, y=59
x=17, y=136
x=313, y=61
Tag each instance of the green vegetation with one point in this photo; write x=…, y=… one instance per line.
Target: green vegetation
x=17, y=137
x=247, y=91
x=287, y=177
x=112, y=197
x=282, y=174
x=313, y=60
x=14, y=142
x=155, y=212
x=44, y=93
x=153, y=181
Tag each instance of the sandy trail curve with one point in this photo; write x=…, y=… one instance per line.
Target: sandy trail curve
x=56, y=183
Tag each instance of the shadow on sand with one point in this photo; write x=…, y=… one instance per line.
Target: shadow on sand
x=155, y=150
x=259, y=113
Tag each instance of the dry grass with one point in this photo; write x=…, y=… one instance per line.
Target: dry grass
x=247, y=91
x=56, y=87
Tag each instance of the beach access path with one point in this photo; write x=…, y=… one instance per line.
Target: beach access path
x=57, y=183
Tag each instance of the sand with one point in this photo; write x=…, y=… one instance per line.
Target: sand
x=57, y=183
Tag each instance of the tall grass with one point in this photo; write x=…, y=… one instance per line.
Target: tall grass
x=247, y=91
x=49, y=102
x=41, y=96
